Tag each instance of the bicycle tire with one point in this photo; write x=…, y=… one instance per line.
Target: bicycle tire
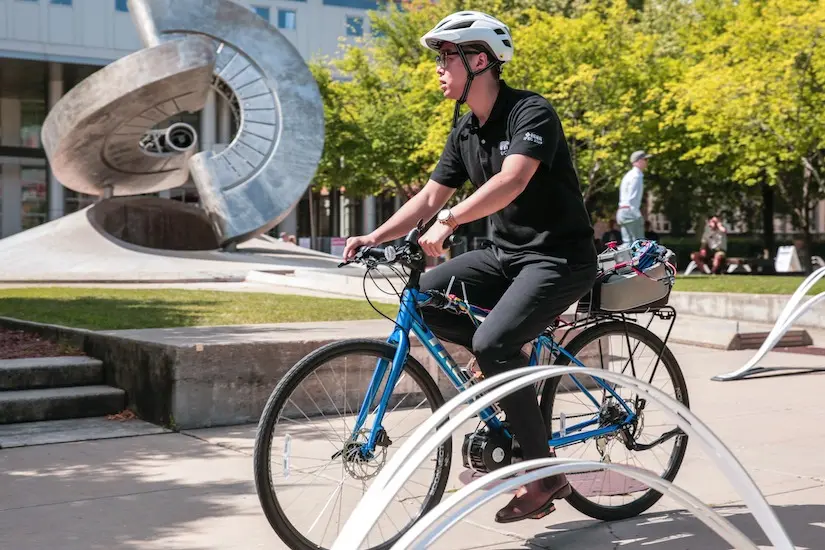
x=266, y=425
x=589, y=335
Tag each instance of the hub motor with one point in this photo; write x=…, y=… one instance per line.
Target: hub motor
x=484, y=451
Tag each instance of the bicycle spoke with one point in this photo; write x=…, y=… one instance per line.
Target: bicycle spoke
x=625, y=348
x=321, y=412
x=403, y=419
x=327, y=503
x=311, y=422
x=332, y=401
x=304, y=477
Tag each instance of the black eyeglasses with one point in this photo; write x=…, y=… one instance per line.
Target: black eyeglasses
x=441, y=59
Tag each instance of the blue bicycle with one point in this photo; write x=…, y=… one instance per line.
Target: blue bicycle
x=335, y=418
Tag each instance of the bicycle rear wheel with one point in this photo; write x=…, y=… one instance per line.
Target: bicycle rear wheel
x=309, y=469
x=632, y=350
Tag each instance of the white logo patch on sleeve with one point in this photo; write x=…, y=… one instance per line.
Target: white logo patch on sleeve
x=502, y=147
x=535, y=138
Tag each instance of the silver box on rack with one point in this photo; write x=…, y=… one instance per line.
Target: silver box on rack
x=632, y=291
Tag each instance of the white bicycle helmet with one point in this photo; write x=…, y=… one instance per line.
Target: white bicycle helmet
x=466, y=27
x=471, y=28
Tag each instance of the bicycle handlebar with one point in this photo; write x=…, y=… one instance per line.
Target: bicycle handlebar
x=408, y=253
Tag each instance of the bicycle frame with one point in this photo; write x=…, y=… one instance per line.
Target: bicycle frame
x=408, y=320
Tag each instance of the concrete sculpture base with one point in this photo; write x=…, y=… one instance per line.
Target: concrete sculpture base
x=145, y=240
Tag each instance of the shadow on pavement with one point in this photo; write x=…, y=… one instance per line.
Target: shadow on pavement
x=680, y=530
x=131, y=493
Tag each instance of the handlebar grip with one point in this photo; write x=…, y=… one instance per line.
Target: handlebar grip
x=448, y=242
x=375, y=252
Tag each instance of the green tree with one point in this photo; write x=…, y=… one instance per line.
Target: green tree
x=381, y=100
x=755, y=100
x=596, y=71
x=343, y=137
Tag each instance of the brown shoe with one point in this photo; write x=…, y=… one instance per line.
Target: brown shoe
x=535, y=500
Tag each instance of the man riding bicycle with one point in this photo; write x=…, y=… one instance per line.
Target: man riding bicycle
x=512, y=148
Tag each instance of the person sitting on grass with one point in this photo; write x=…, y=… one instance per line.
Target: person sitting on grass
x=713, y=247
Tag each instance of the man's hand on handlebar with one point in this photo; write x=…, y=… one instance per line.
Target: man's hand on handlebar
x=410, y=251
x=354, y=243
x=434, y=240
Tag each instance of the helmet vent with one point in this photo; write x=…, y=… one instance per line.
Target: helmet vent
x=461, y=25
x=500, y=31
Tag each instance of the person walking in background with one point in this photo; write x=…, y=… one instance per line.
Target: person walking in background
x=629, y=214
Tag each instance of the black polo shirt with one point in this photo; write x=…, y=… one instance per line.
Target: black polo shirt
x=549, y=215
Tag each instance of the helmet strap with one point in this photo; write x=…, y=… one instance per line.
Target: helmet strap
x=470, y=76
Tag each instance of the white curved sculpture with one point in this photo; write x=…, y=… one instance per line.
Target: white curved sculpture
x=422, y=442
x=785, y=321
x=441, y=518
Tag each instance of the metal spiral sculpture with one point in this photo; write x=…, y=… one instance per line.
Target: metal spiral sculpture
x=106, y=137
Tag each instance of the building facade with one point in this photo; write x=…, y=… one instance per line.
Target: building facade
x=49, y=46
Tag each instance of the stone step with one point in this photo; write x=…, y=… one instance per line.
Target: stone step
x=49, y=372
x=60, y=403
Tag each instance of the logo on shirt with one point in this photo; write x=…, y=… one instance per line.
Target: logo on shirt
x=502, y=147
x=535, y=138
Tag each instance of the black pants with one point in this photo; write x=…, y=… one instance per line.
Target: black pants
x=526, y=292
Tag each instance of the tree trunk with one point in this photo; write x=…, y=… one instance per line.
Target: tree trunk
x=807, y=265
x=334, y=211
x=313, y=221
x=807, y=237
x=767, y=218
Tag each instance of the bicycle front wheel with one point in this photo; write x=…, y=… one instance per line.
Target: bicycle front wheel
x=312, y=466
x=652, y=441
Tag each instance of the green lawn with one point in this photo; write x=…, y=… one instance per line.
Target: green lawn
x=112, y=309
x=750, y=284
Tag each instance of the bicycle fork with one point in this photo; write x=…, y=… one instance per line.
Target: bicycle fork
x=401, y=339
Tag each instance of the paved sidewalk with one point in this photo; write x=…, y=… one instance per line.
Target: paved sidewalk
x=194, y=490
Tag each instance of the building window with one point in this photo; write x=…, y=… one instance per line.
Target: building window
x=74, y=201
x=122, y=5
x=34, y=202
x=357, y=4
x=355, y=26
x=263, y=12
x=62, y=2
x=287, y=20
x=32, y=116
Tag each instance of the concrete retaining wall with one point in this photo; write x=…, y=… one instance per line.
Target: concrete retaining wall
x=756, y=308
x=190, y=386
x=184, y=383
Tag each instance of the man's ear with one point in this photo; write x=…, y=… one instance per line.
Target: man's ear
x=483, y=59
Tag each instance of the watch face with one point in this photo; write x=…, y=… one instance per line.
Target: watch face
x=444, y=215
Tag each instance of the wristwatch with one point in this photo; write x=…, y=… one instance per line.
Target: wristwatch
x=446, y=217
